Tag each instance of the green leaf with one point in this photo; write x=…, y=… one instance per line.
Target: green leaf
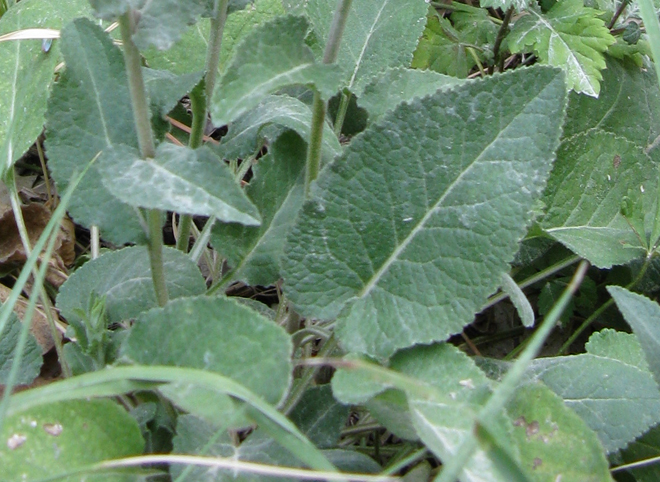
x=178, y=179
x=89, y=111
x=518, y=5
x=618, y=345
x=401, y=85
x=320, y=417
x=272, y=56
x=617, y=400
x=379, y=34
x=162, y=22
x=32, y=359
x=124, y=278
x=166, y=89
x=519, y=300
x=109, y=9
x=643, y=315
x=57, y=438
x=554, y=443
x=227, y=337
x=277, y=189
x=366, y=247
x=189, y=53
x=592, y=174
x=570, y=36
x=267, y=120
x=645, y=447
x=28, y=73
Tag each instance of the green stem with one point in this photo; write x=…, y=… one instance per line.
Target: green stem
x=507, y=386
x=341, y=112
x=501, y=33
x=141, y=116
x=319, y=106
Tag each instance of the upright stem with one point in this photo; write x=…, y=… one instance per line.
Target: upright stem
x=141, y=116
x=319, y=106
x=200, y=102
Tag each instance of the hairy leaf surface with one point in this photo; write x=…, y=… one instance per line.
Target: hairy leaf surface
x=570, y=36
x=406, y=235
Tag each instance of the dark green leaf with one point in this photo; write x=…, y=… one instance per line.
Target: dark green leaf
x=166, y=89
x=320, y=417
x=32, y=359
x=393, y=238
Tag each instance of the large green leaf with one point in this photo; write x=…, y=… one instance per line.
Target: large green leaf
x=32, y=359
x=216, y=334
x=124, y=278
x=570, y=36
x=192, y=181
x=90, y=111
x=406, y=235
x=27, y=73
x=645, y=447
x=60, y=437
x=593, y=173
x=162, y=22
x=379, y=34
x=401, y=85
x=643, y=315
x=267, y=121
x=272, y=56
x=616, y=398
x=277, y=189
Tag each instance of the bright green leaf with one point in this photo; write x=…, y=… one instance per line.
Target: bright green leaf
x=90, y=111
x=57, y=438
x=272, y=56
x=618, y=345
x=570, y=36
x=643, y=315
x=393, y=238
x=162, y=22
x=32, y=359
x=267, y=120
x=227, y=337
x=554, y=443
x=178, y=179
x=277, y=189
x=124, y=278
x=592, y=174
x=401, y=85
x=379, y=34
x=28, y=73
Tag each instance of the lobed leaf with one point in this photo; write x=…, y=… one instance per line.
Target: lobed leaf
x=191, y=181
x=392, y=241
x=570, y=36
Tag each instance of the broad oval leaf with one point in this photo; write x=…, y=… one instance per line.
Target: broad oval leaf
x=57, y=438
x=272, y=56
x=406, y=234
x=178, y=179
x=89, y=111
x=216, y=334
x=124, y=278
x=28, y=73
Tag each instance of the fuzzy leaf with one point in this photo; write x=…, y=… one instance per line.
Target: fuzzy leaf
x=401, y=85
x=162, y=22
x=32, y=359
x=380, y=34
x=277, y=189
x=518, y=5
x=643, y=315
x=124, y=278
x=618, y=345
x=593, y=173
x=273, y=56
x=28, y=73
x=267, y=120
x=89, y=111
x=166, y=89
x=57, y=438
x=178, y=179
x=570, y=36
x=392, y=240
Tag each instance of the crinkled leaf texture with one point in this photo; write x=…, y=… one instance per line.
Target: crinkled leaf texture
x=27, y=73
x=518, y=5
x=570, y=36
x=32, y=359
x=89, y=111
x=272, y=56
x=124, y=278
x=277, y=189
x=57, y=438
x=191, y=181
x=614, y=394
x=406, y=235
x=379, y=34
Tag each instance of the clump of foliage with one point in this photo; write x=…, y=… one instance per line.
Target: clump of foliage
x=386, y=180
